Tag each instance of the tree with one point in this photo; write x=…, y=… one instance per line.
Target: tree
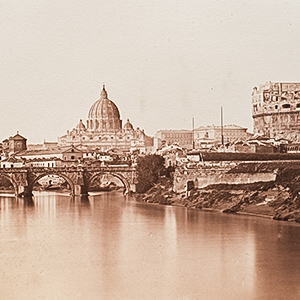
x=149, y=169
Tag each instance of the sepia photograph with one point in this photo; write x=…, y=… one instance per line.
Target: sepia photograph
x=149, y=150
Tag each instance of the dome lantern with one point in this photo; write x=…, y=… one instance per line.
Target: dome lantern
x=103, y=94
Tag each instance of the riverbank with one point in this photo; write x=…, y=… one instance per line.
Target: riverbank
x=279, y=199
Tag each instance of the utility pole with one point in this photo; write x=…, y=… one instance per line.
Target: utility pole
x=193, y=127
x=222, y=133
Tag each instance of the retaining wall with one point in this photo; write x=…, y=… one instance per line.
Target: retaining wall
x=202, y=179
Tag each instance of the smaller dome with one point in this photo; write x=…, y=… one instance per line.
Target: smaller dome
x=80, y=126
x=128, y=125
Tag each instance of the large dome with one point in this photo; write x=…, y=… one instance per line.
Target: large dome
x=104, y=115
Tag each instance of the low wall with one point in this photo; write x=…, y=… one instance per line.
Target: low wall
x=203, y=180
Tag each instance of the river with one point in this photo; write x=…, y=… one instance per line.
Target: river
x=111, y=247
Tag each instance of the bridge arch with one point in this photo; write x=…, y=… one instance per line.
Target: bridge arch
x=79, y=179
x=38, y=177
x=14, y=184
x=117, y=175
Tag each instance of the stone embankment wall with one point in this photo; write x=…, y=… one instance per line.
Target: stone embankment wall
x=204, y=177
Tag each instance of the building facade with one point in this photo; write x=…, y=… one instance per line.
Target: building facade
x=12, y=162
x=104, y=130
x=182, y=138
x=276, y=110
x=13, y=144
x=212, y=134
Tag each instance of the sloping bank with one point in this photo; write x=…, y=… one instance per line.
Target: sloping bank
x=279, y=199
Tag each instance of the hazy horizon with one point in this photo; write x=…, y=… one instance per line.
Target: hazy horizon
x=163, y=62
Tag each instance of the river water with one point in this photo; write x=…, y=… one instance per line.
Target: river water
x=111, y=247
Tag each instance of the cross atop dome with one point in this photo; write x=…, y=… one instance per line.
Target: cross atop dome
x=103, y=94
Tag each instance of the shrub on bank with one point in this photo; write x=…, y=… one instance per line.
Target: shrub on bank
x=149, y=169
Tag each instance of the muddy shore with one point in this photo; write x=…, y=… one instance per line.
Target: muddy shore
x=279, y=199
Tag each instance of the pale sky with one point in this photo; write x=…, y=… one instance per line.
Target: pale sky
x=163, y=62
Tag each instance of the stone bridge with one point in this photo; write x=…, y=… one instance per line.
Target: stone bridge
x=79, y=178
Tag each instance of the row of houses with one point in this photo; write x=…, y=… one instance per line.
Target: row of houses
x=42, y=158
x=16, y=153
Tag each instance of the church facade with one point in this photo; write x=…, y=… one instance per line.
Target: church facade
x=104, y=130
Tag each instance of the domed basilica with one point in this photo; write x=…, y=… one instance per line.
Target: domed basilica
x=103, y=130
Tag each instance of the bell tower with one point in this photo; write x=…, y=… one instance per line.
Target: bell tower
x=17, y=143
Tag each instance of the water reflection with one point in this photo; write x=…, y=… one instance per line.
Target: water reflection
x=108, y=246
x=277, y=249
x=217, y=255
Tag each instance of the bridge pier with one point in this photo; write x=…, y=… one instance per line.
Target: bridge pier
x=132, y=188
x=24, y=191
x=80, y=190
